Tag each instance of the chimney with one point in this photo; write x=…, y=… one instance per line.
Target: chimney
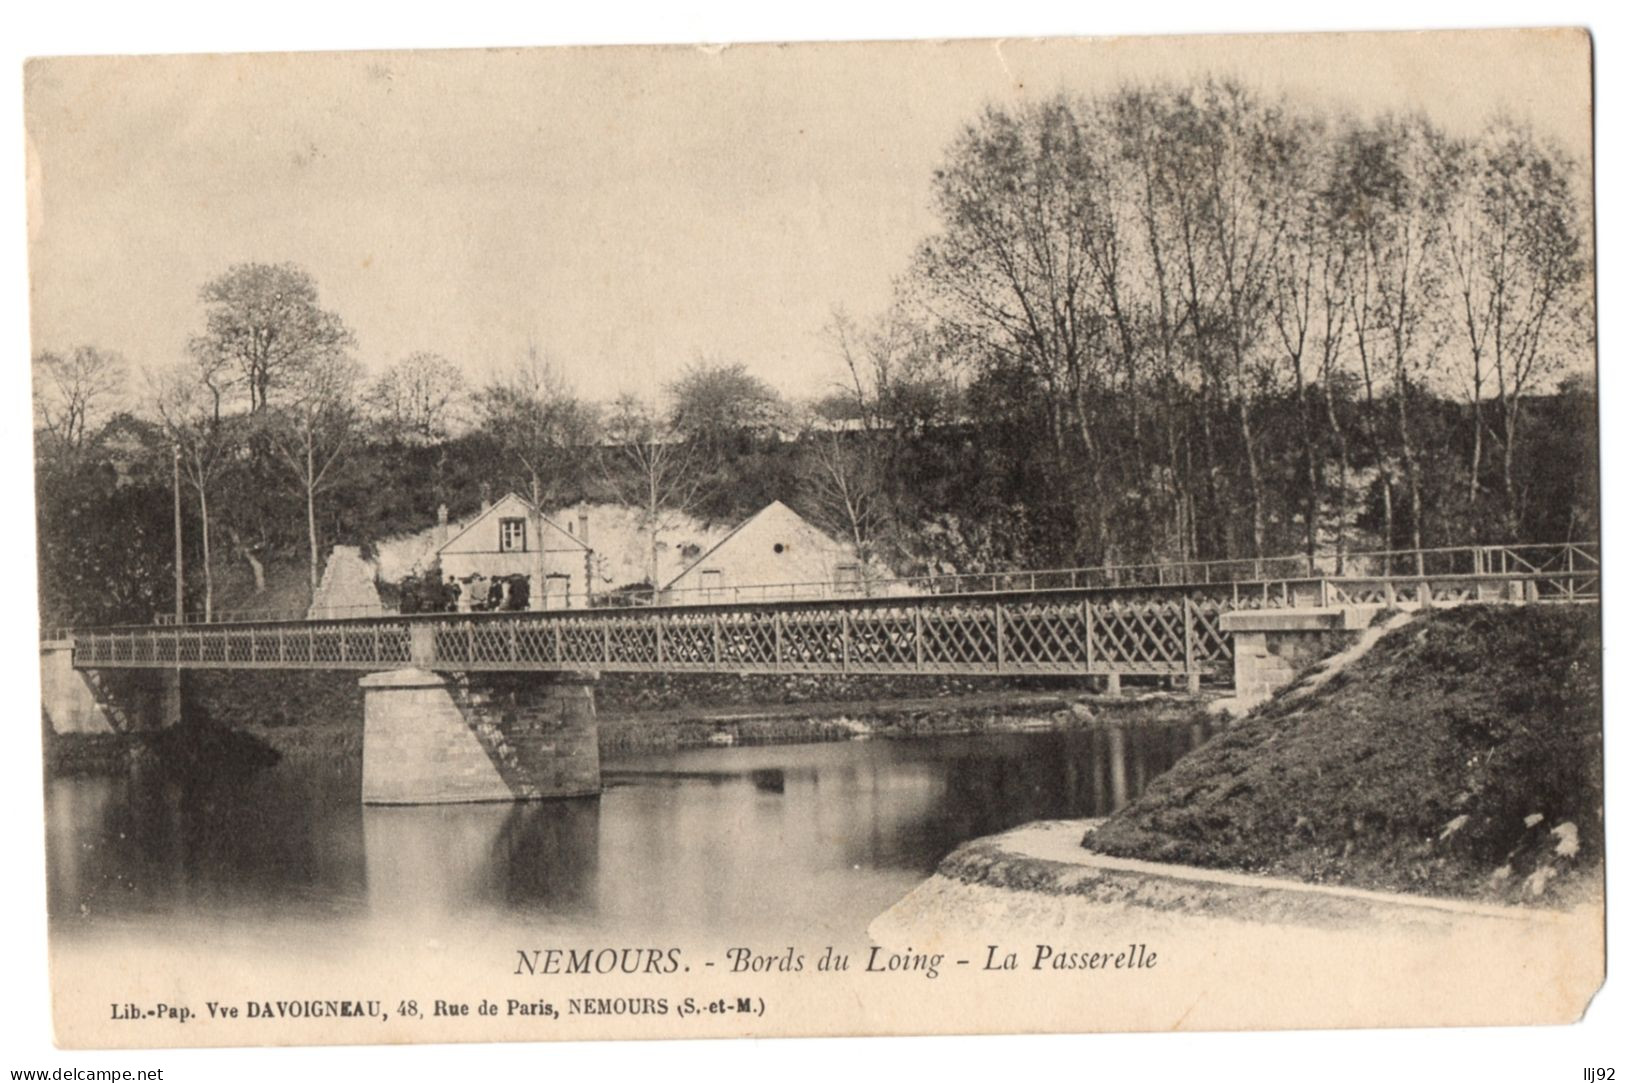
x=581, y=534
x=443, y=526
x=485, y=496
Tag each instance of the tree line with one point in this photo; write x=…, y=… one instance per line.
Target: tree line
x=1235, y=325
x=1170, y=322
x=282, y=446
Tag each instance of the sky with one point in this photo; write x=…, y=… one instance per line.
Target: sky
x=627, y=210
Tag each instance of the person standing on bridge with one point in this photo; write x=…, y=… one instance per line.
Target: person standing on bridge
x=519, y=593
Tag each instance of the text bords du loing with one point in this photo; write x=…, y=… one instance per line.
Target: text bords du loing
x=791, y=960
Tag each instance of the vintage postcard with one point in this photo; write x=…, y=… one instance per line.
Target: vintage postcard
x=890, y=538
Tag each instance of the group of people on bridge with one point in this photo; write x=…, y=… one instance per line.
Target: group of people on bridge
x=476, y=593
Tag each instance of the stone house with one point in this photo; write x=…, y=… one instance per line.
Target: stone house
x=773, y=555
x=497, y=545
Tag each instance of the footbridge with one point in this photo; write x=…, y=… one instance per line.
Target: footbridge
x=465, y=669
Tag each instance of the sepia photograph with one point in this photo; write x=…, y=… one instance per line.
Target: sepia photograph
x=981, y=536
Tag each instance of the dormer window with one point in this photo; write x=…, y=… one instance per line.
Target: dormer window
x=512, y=535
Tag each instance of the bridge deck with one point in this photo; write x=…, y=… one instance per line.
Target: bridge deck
x=1132, y=631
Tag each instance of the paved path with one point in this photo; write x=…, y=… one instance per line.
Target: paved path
x=1236, y=951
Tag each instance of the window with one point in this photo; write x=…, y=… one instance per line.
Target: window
x=847, y=578
x=711, y=582
x=512, y=535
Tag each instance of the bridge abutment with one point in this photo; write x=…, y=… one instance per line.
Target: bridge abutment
x=1272, y=646
x=69, y=698
x=84, y=701
x=435, y=738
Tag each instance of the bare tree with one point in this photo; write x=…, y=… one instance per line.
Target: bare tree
x=1309, y=311
x=1469, y=244
x=420, y=399
x=188, y=407
x=1515, y=252
x=74, y=392
x=652, y=467
x=1023, y=273
x=1152, y=165
x=1331, y=285
x=313, y=429
x=1239, y=155
x=1391, y=193
x=846, y=484
x=857, y=442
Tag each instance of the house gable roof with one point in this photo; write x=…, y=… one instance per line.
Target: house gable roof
x=513, y=503
x=776, y=507
x=724, y=540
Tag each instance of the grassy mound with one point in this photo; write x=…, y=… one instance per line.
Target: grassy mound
x=1462, y=756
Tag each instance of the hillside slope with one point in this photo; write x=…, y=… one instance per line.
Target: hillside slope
x=1461, y=756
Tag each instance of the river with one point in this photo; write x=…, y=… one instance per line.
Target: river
x=818, y=838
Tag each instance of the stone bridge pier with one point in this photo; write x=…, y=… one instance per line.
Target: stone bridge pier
x=104, y=701
x=442, y=738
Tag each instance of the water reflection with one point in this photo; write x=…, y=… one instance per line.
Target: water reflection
x=140, y=844
x=810, y=837
x=438, y=861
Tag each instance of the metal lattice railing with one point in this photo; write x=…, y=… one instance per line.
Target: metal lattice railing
x=1131, y=631
x=1169, y=631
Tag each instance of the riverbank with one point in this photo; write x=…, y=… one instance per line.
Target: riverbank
x=969, y=713
x=193, y=752
x=338, y=736
x=1444, y=776
x=1461, y=755
x=1043, y=865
